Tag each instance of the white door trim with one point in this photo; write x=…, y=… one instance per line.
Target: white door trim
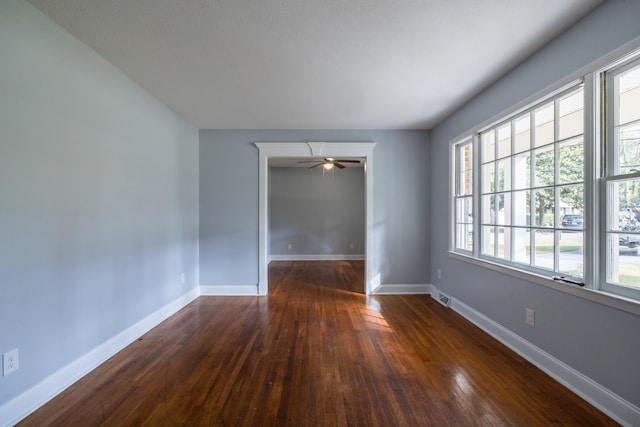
x=315, y=149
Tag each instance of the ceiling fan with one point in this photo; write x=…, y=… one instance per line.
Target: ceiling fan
x=329, y=162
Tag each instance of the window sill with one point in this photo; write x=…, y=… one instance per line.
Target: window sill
x=618, y=302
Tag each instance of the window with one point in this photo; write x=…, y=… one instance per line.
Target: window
x=464, y=196
x=532, y=180
x=557, y=185
x=622, y=136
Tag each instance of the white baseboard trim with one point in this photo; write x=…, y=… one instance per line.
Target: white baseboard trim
x=386, y=289
x=336, y=257
x=21, y=406
x=608, y=402
x=244, y=290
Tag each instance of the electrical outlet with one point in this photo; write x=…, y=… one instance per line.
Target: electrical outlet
x=531, y=317
x=182, y=278
x=350, y=245
x=10, y=362
x=439, y=273
x=289, y=246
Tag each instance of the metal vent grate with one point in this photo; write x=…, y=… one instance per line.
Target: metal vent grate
x=443, y=299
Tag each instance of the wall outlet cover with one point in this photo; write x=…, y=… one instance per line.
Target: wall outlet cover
x=531, y=317
x=10, y=362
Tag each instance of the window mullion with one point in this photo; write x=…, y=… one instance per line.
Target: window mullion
x=532, y=210
x=511, y=194
x=556, y=192
x=592, y=225
x=496, y=210
x=477, y=194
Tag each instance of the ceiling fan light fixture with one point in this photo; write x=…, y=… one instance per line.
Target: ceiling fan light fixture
x=329, y=163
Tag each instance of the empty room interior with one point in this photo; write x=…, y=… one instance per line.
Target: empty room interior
x=319, y=213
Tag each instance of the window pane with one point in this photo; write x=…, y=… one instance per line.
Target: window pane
x=571, y=115
x=468, y=156
x=522, y=128
x=623, y=217
x=628, y=142
x=544, y=166
x=504, y=245
x=488, y=209
x=488, y=146
x=522, y=245
x=624, y=205
x=504, y=140
x=544, y=124
x=504, y=174
x=572, y=161
x=504, y=208
x=522, y=170
x=463, y=210
x=623, y=262
x=571, y=253
x=544, y=207
x=521, y=208
x=544, y=249
x=571, y=205
x=629, y=96
x=464, y=237
x=488, y=177
x=465, y=183
x=465, y=168
x=488, y=241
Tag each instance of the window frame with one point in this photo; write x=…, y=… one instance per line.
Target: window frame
x=593, y=287
x=508, y=190
x=609, y=175
x=459, y=195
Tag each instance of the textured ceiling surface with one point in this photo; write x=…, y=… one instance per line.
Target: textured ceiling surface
x=315, y=64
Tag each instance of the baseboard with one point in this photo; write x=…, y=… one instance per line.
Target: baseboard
x=21, y=406
x=243, y=290
x=402, y=290
x=608, y=402
x=334, y=257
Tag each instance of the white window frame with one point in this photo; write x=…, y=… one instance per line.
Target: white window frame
x=508, y=190
x=460, y=195
x=593, y=285
x=610, y=176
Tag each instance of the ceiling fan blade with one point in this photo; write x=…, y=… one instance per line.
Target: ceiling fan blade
x=348, y=161
x=338, y=165
x=315, y=166
x=309, y=161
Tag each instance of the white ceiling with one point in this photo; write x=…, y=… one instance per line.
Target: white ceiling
x=315, y=64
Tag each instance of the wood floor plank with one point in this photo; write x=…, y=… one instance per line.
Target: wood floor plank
x=316, y=352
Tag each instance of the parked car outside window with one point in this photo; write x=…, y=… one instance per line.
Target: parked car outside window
x=572, y=221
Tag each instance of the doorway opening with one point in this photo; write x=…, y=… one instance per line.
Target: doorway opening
x=311, y=150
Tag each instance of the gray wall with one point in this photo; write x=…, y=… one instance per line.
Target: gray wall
x=317, y=213
x=229, y=201
x=98, y=199
x=599, y=341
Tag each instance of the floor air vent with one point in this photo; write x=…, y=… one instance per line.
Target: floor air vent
x=444, y=299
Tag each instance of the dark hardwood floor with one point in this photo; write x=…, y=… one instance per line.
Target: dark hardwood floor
x=316, y=352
